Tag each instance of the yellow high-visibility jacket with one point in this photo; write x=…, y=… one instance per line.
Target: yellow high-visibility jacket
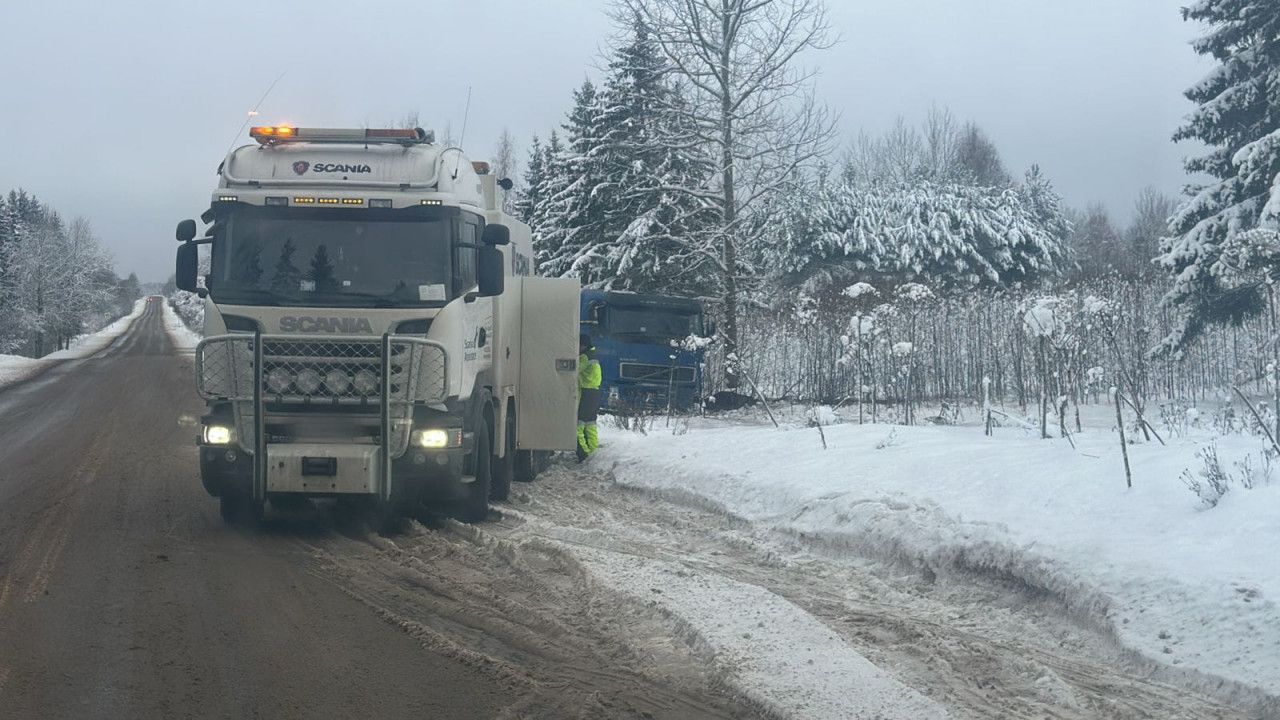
x=589, y=375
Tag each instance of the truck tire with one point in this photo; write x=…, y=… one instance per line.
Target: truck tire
x=526, y=466
x=474, y=505
x=236, y=509
x=504, y=468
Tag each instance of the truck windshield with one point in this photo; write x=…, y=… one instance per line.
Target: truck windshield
x=652, y=324
x=332, y=257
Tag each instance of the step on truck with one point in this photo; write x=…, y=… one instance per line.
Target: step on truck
x=650, y=348
x=372, y=328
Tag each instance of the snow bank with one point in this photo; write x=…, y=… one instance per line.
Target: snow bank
x=14, y=368
x=184, y=339
x=1187, y=587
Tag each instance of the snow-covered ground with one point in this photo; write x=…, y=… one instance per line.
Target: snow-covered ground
x=1187, y=586
x=14, y=368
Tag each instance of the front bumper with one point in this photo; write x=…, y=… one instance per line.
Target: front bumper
x=641, y=397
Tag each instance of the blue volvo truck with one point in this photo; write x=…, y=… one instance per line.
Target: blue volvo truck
x=646, y=360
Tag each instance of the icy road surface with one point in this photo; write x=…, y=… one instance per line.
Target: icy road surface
x=122, y=594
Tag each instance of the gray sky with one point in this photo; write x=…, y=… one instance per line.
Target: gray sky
x=122, y=111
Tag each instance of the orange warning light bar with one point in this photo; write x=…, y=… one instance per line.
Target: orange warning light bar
x=268, y=134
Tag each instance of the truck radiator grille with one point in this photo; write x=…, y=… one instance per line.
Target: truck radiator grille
x=663, y=374
x=338, y=372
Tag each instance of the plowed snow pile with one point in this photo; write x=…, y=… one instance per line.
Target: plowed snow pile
x=1189, y=586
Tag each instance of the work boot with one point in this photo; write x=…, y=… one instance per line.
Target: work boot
x=581, y=453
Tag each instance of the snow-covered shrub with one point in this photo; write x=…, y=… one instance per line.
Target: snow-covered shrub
x=189, y=307
x=1213, y=481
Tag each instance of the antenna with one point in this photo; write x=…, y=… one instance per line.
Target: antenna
x=465, y=114
x=253, y=112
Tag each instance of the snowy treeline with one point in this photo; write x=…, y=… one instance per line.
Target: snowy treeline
x=631, y=192
x=949, y=232
x=909, y=343
x=56, y=280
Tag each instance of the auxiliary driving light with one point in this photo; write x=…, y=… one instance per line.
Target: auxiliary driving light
x=278, y=380
x=217, y=435
x=337, y=381
x=366, y=382
x=436, y=438
x=308, y=382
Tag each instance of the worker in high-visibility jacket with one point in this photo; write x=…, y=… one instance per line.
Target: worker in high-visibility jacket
x=589, y=377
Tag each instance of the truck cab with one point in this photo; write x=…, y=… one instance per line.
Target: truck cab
x=649, y=347
x=372, y=328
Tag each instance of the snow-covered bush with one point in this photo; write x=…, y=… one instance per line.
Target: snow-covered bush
x=1212, y=481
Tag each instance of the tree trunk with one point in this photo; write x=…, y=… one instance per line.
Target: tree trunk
x=730, y=200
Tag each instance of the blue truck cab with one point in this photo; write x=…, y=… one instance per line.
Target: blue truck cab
x=638, y=340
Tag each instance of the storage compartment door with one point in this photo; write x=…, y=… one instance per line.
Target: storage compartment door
x=547, y=401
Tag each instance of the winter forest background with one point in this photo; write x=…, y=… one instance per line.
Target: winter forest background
x=56, y=280
x=887, y=271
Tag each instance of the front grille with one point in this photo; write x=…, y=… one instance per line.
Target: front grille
x=321, y=371
x=664, y=374
x=305, y=380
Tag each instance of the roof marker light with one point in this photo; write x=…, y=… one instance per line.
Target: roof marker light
x=304, y=200
x=432, y=202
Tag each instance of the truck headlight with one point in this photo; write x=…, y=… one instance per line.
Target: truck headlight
x=436, y=438
x=217, y=435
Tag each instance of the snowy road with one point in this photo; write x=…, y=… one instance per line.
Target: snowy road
x=122, y=594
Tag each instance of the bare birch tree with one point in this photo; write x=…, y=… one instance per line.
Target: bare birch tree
x=749, y=101
x=505, y=166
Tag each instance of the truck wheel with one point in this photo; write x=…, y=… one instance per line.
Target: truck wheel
x=504, y=468
x=239, y=510
x=526, y=466
x=474, y=505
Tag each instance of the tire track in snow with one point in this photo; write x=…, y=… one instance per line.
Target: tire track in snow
x=983, y=650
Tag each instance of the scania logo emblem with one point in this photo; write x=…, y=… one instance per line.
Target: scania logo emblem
x=301, y=166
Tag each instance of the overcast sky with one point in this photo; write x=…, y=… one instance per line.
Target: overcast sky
x=121, y=112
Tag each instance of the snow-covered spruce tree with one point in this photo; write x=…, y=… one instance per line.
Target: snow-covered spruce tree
x=543, y=200
x=1239, y=118
x=529, y=197
x=652, y=239
x=575, y=214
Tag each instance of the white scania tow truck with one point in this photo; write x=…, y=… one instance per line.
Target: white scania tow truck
x=372, y=327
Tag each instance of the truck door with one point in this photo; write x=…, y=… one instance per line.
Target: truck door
x=547, y=401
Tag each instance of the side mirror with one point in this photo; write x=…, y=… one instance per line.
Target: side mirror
x=186, y=231
x=496, y=235
x=506, y=184
x=491, y=271
x=187, y=266
x=593, y=313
